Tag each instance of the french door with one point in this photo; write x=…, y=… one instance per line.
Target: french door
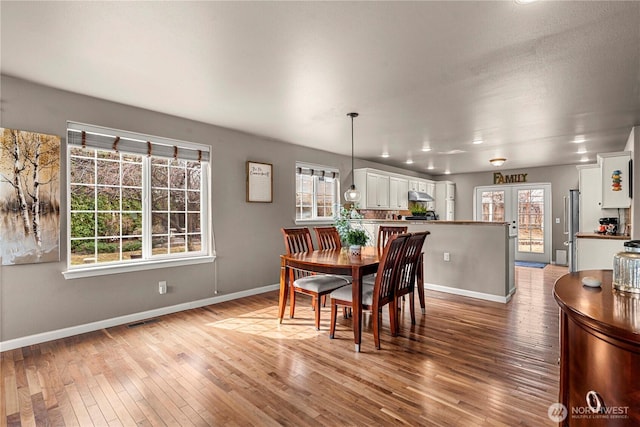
x=527, y=209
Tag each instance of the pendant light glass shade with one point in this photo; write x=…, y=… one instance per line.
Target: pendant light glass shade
x=352, y=195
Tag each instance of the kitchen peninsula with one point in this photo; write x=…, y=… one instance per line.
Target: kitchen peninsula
x=469, y=258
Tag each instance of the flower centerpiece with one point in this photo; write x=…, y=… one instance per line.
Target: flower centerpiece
x=355, y=237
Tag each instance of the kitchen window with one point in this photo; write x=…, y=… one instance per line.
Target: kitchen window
x=134, y=200
x=317, y=192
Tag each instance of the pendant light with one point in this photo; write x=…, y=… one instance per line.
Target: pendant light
x=352, y=194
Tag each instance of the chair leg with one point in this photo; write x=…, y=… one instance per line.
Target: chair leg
x=376, y=327
x=412, y=308
x=393, y=318
x=334, y=314
x=317, y=311
x=292, y=298
x=324, y=300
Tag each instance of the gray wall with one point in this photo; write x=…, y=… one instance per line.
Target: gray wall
x=562, y=179
x=36, y=298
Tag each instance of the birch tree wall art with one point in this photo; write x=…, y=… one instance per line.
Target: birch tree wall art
x=29, y=197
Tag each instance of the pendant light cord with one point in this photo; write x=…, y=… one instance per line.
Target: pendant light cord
x=353, y=182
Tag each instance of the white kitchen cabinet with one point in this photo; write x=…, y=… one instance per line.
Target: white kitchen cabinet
x=414, y=185
x=398, y=193
x=616, y=179
x=431, y=190
x=374, y=188
x=597, y=253
x=445, y=200
x=590, y=207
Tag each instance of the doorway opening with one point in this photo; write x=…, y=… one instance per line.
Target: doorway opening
x=527, y=209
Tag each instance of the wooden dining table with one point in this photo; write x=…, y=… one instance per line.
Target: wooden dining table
x=337, y=261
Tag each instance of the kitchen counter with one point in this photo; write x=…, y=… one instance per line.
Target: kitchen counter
x=457, y=259
x=602, y=236
x=422, y=221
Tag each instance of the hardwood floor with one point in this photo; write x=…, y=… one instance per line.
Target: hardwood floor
x=466, y=362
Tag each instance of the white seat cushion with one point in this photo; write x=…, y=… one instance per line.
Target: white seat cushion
x=320, y=283
x=344, y=294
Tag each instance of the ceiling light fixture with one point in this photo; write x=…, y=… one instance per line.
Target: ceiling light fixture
x=426, y=148
x=477, y=141
x=409, y=162
x=430, y=167
x=584, y=159
x=384, y=155
x=352, y=194
x=582, y=151
x=579, y=139
x=498, y=161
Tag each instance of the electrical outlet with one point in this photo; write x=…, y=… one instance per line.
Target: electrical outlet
x=447, y=256
x=162, y=287
x=557, y=220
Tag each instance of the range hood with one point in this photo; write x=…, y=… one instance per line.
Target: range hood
x=419, y=196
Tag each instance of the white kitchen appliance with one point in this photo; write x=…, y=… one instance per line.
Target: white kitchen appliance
x=572, y=225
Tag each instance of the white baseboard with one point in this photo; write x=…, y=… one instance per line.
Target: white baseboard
x=471, y=294
x=129, y=318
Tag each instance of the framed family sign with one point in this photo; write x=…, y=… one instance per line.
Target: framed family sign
x=259, y=182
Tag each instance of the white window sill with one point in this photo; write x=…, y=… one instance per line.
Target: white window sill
x=102, y=270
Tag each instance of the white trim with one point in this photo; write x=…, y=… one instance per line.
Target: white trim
x=103, y=270
x=471, y=294
x=135, y=317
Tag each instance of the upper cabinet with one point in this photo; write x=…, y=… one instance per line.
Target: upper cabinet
x=374, y=188
x=445, y=200
x=590, y=209
x=615, y=179
x=398, y=190
x=387, y=190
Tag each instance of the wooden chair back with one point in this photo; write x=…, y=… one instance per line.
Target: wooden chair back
x=328, y=238
x=386, y=231
x=409, y=262
x=384, y=287
x=297, y=240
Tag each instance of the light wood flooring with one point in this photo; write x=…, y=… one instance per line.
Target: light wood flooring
x=467, y=362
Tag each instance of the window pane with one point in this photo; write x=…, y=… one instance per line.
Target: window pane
x=108, y=172
x=82, y=252
x=160, y=223
x=177, y=200
x=159, y=177
x=82, y=224
x=132, y=224
x=193, y=201
x=159, y=200
x=82, y=171
x=132, y=174
x=82, y=198
x=109, y=224
x=132, y=199
x=108, y=198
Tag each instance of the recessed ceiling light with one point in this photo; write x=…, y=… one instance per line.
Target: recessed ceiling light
x=447, y=172
x=430, y=167
x=579, y=139
x=409, y=162
x=498, y=161
x=584, y=159
x=478, y=141
x=385, y=155
x=581, y=150
x=525, y=1
x=426, y=148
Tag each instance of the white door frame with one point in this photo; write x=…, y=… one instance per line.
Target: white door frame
x=511, y=211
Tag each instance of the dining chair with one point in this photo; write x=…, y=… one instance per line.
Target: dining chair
x=328, y=238
x=384, y=233
x=377, y=296
x=315, y=285
x=408, y=266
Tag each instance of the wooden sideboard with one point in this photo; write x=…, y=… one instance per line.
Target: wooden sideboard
x=599, y=352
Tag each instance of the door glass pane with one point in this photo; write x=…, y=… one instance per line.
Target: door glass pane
x=531, y=220
x=492, y=206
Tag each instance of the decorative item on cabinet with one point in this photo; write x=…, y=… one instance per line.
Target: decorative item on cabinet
x=616, y=179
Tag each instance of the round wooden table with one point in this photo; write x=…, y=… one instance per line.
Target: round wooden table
x=599, y=351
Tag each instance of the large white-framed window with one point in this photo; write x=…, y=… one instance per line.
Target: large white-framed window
x=134, y=201
x=317, y=192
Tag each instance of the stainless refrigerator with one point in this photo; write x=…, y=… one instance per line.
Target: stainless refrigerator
x=571, y=225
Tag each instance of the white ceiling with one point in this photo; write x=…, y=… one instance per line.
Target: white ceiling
x=527, y=79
